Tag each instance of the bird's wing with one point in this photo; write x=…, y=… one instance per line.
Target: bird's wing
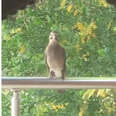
x=64, y=59
x=46, y=60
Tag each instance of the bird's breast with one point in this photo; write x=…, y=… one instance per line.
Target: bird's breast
x=55, y=59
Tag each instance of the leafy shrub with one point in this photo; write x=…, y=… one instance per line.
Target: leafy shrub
x=86, y=30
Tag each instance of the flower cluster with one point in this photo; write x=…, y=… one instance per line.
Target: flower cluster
x=85, y=57
x=71, y=8
x=13, y=31
x=57, y=107
x=103, y=3
x=86, y=32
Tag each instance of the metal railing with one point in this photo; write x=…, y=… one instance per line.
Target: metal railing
x=16, y=84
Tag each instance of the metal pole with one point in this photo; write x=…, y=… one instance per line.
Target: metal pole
x=27, y=83
x=15, y=103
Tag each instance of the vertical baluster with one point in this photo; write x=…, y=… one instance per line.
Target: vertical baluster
x=15, y=103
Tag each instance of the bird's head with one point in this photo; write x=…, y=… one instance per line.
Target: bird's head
x=53, y=36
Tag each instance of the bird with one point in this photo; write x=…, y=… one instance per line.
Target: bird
x=55, y=58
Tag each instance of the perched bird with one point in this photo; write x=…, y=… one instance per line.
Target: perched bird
x=55, y=58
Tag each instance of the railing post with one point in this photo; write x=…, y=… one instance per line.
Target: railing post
x=15, y=103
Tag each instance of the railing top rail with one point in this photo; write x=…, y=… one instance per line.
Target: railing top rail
x=44, y=82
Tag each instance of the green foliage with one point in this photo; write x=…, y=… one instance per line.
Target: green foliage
x=87, y=31
x=6, y=98
x=46, y=102
x=37, y=102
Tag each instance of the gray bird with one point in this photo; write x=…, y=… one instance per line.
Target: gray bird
x=55, y=58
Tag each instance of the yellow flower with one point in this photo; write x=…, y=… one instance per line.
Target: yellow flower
x=88, y=94
x=86, y=32
x=89, y=31
x=56, y=107
x=83, y=40
x=85, y=59
x=81, y=113
x=80, y=26
x=13, y=31
x=69, y=8
x=75, y=12
x=18, y=30
x=62, y=4
x=101, y=93
x=22, y=49
x=104, y=3
x=78, y=47
x=93, y=25
x=93, y=35
x=60, y=106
